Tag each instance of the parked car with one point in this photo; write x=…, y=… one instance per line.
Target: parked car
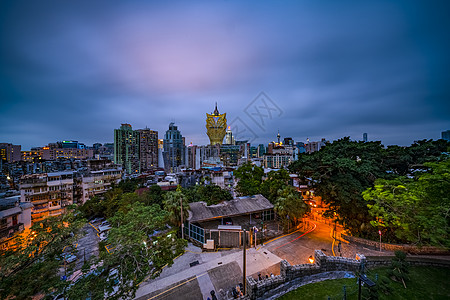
x=69, y=257
x=104, y=226
x=96, y=220
x=103, y=236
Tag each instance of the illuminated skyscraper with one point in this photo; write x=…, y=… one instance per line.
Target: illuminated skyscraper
x=173, y=149
x=229, y=138
x=126, y=149
x=216, y=126
x=148, y=148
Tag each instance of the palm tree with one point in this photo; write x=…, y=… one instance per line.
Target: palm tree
x=172, y=204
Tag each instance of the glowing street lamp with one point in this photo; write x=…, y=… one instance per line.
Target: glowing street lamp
x=311, y=259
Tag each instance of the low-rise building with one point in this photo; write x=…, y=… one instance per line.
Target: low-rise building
x=98, y=182
x=15, y=217
x=224, y=222
x=49, y=153
x=50, y=193
x=277, y=161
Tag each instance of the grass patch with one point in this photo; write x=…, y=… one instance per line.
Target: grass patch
x=424, y=283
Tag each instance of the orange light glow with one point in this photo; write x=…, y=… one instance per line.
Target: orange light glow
x=311, y=259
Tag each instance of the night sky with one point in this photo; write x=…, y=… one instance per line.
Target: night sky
x=312, y=69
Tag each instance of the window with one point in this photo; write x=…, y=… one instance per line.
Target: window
x=268, y=215
x=3, y=223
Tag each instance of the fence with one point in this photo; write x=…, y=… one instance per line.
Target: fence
x=392, y=247
x=223, y=238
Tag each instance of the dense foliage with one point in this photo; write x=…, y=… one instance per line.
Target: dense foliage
x=249, y=179
x=341, y=171
x=289, y=205
x=415, y=210
x=209, y=193
x=140, y=243
x=33, y=265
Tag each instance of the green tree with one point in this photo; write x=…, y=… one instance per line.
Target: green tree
x=93, y=208
x=342, y=170
x=210, y=193
x=154, y=195
x=414, y=210
x=250, y=179
x=400, y=268
x=339, y=173
x=32, y=266
x=172, y=204
x=275, y=181
x=140, y=244
x=289, y=205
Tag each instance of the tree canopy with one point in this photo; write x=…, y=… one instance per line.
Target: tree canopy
x=209, y=193
x=250, y=179
x=289, y=205
x=343, y=169
x=33, y=265
x=414, y=210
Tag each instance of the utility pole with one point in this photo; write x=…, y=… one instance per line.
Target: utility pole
x=243, y=262
x=182, y=224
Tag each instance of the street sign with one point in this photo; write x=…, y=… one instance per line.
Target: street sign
x=379, y=232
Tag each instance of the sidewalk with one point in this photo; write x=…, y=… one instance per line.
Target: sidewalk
x=257, y=261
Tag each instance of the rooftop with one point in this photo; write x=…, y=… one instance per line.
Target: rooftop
x=199, y=211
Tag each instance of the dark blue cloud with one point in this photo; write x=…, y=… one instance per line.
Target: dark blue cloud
x=77, y=70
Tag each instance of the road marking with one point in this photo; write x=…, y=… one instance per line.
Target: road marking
x=93, y=226
x=272, y=240
x=315, y=225
x=178, y=285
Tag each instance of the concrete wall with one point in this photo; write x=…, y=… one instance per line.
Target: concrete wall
x=392, y=247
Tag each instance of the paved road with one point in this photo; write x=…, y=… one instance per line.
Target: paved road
x=223, y=270
x=87, y=245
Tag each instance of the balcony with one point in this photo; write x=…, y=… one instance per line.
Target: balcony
x=10, y=231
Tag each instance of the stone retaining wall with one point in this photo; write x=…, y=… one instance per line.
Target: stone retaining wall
x=392, y=247
x=323, y=263
x=324, y=267
x=379, y=261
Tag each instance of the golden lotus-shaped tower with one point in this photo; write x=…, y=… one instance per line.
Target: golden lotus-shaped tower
x=216, y=126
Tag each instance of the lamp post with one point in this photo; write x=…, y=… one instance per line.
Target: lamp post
x=244, y=269
x=182, y=223
x=335, y=222
x=379, y=232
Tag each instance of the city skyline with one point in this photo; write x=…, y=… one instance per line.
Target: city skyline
x=78, y=71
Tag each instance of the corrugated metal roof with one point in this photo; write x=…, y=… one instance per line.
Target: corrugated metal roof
x=10, y=212
x=239, y=206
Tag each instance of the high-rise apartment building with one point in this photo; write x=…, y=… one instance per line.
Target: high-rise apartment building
x=148, y=140
x=229, y=138
x=365, y=137
x=127, y=149
x=173, y=149
x=445, y=135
